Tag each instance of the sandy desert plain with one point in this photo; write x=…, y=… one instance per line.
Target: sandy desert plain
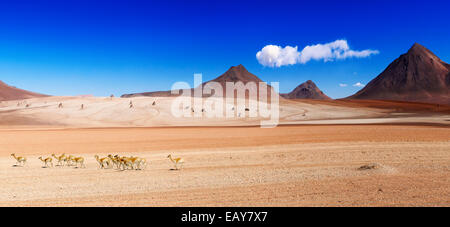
x=315, y=157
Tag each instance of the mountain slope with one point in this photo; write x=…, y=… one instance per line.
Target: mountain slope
x=234, y=74
x=418, y=76
x=307, y=90
x=11, y=93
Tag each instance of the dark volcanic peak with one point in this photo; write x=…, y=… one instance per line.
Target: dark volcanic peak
x=418, y=49
x=237, y=73
x=233, y=74
x=418, y=76
x=240, y=74
x=307, y=90
x=12, y=93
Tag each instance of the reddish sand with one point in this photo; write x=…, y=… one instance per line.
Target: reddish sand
x=313, y=158
x=234, y=166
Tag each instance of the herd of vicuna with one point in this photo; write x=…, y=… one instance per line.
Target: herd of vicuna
x=108, y=162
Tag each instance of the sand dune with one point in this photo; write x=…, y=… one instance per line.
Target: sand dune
x=116, y=112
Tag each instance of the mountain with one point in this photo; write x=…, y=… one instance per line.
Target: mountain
x=11, y=93
x=239, y=74
x=234, y=74
x=307, y=90
x=417, y=76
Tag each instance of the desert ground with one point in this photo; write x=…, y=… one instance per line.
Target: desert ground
x=323, y=153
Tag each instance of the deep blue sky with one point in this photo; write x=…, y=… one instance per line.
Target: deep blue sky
x=117, y=47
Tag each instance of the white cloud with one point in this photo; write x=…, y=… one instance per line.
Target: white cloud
x=359, y=85
x=343, y=85
x=277, y=56
x=272, y=56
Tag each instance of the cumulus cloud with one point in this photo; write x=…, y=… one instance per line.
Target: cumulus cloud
x=277, y=56
x=272, y=56
x=359, y=85
x=343, y=85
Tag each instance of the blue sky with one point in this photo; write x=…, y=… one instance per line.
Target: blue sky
x=117, y=47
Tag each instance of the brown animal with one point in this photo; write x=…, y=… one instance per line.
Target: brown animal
x=20, y=160
x=46, y=161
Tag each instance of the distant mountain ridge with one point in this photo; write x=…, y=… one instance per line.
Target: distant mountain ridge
x=307, y=90
x=416, y=76
x=8, y=92
x=234, y=74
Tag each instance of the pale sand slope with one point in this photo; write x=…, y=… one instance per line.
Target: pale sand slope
x=116, y=112
x=234, y=166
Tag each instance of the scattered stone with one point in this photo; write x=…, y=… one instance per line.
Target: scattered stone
x=369, y=167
